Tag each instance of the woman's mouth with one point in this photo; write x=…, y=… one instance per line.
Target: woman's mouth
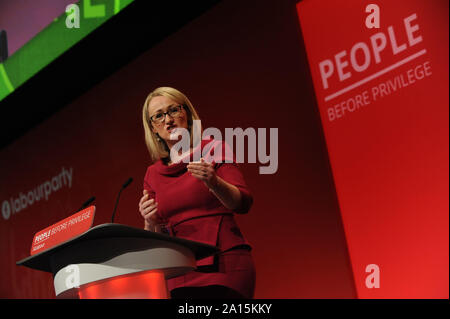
x=171, y=128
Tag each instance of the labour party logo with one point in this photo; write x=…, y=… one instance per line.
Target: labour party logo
x=6, y=210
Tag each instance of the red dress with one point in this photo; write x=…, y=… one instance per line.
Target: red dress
x=193, y=212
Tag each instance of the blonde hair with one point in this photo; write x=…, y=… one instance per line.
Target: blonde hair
x=158, y=148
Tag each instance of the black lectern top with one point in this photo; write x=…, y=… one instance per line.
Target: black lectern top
x=41, y=261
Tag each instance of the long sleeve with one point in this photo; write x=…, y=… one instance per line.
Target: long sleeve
x=227, y=168
x=147, y=186
x=231, y=173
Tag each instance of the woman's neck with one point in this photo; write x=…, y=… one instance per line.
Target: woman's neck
x=168, y=161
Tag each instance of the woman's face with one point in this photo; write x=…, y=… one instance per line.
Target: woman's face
x=160, y=105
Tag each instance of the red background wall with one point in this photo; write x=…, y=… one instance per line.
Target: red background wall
x=242, y=64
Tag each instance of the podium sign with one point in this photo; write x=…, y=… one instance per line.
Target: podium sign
x=63, y=230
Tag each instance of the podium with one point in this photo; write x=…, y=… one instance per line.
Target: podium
x=118, y=261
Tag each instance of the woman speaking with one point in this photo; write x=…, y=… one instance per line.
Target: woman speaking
x=195, y=201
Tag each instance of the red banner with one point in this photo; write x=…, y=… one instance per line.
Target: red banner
x=63, y=230
x=380, y=74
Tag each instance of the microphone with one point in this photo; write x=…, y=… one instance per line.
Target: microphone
x=128, y=182
x=86, y=204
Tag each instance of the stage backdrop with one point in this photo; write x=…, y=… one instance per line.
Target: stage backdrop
x=242, y=64
x=382, y=95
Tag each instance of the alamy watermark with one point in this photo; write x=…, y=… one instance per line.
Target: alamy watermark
x=373, y=279
x=221, y=149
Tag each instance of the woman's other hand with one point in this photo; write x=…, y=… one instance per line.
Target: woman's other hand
x=148, y=209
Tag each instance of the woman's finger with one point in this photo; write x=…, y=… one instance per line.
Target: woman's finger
x=148, y=208
x=198, y=165
x=201, y=169
x=198, y=171
x=142, y=199
x=206, y=167
x=151, y=212
x=145, y=204
x=152, y=216
x=148, y=202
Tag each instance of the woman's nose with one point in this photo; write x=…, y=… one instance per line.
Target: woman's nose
x=168, y=119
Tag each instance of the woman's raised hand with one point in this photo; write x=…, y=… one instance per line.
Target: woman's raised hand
x=205, y=172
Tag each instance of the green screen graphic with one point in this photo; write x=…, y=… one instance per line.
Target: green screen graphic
x=53, y=41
